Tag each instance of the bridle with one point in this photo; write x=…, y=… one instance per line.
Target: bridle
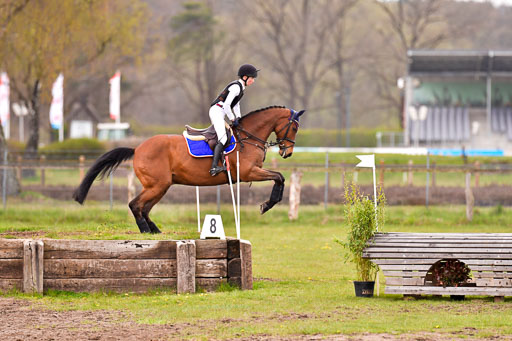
x=264, y=144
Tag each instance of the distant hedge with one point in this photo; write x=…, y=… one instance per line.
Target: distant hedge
x=329, y=138
x=72, y=148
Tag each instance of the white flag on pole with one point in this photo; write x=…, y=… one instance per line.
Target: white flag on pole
x=4, y=98
x=367, y=161
x=115, y=96
x=57, y=106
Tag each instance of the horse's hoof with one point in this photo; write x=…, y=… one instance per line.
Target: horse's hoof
x=154, y=229
x=264, y=208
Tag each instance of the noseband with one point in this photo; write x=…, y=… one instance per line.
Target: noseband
x=279, y=141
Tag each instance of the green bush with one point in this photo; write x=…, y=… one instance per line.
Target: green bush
x=362, y=223
x=15, y=146
x=73, y=148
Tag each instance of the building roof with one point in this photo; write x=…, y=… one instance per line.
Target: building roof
x=464, y=63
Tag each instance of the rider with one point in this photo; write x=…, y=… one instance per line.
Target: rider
x=228, y=103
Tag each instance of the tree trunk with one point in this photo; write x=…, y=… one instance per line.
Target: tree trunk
x=33, y=127
x=12, y=183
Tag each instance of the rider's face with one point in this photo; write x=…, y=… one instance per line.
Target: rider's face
x=249, y=81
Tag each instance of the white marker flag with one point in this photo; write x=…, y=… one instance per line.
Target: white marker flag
x=4, y=98
x=115, y=96
x=57, y=106
x=367, y=161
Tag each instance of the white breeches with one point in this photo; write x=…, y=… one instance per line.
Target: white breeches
x=217, y=118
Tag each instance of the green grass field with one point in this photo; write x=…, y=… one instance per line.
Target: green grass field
x=302, y=286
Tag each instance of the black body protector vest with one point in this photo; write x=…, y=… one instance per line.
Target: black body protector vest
x=224, y=94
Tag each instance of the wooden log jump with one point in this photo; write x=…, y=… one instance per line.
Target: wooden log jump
x=406, y=260
x=123, y=265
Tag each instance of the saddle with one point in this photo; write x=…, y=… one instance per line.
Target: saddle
x=207, y=134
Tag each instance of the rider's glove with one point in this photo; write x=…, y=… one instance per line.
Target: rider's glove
x=235, y=122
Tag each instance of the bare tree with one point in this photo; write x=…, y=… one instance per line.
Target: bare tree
x=414, y=24
x=199, y=55
x=299, y=34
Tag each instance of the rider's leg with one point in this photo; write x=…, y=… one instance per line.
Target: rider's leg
x=217, y=118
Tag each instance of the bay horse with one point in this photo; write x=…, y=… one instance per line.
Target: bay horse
x=164, y=160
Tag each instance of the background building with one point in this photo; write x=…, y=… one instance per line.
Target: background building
x=456, y=99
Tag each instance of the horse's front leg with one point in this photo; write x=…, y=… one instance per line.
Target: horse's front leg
x=260, y=174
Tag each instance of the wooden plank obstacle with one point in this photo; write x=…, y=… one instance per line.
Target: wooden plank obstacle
x=406, y=260
x=123, y=265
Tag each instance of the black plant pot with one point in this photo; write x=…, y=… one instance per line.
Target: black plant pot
x=457, y=297
x=364, y=289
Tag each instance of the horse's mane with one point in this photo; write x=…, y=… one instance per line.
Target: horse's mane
x=263, y=109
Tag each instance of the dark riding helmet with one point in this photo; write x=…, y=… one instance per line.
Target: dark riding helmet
x=248, y=70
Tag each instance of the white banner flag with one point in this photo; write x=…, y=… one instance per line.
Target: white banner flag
x=367, y=161
x=115, y=96
x=57, y=107
x=4, y=98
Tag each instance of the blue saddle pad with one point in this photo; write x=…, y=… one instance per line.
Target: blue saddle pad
x=202, y=149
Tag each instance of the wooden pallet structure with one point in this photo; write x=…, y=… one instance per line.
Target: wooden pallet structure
x=123, y=265
x=406, y=259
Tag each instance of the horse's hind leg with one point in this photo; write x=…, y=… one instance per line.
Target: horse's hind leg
x=149, y=205
x=136, y=209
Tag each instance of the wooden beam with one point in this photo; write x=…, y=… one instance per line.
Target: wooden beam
x=120, y=249
x=138, y=285
x=109, y=268
x=186, y=260
x=211, y=248
x=246, y=258
x=11, y=268
x=33, y=266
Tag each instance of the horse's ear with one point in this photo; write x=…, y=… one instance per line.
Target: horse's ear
x=300, y=113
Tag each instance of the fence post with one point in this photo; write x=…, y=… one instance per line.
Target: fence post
x=409, y=173
x=381, y=176
x=477, y=174
x=4, y=180
x=186, y=266
x=326, y=190
x=33, y=266
x=470, y=199
x=42, y=160
x=342, y=177
x=428, y=178
x=433, y=174
x=81, y=168
x=293, y=212
x=19, y=160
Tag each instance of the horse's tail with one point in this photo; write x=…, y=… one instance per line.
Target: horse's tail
x=104, y=165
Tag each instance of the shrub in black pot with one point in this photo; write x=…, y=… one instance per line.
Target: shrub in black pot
x=363, y=222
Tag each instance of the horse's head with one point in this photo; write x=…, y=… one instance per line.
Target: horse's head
x=286, y=130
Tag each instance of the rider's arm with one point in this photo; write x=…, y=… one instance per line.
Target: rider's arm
x=236, y=110
x=234, y=90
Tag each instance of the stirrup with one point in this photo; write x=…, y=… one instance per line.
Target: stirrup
x=216, y=170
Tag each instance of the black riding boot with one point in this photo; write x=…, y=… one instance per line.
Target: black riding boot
x=217, y=152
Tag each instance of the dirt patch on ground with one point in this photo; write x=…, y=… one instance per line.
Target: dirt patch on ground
x=22, y=320
x=19, y=320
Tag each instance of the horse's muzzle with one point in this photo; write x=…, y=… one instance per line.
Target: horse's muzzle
x=284, y=153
